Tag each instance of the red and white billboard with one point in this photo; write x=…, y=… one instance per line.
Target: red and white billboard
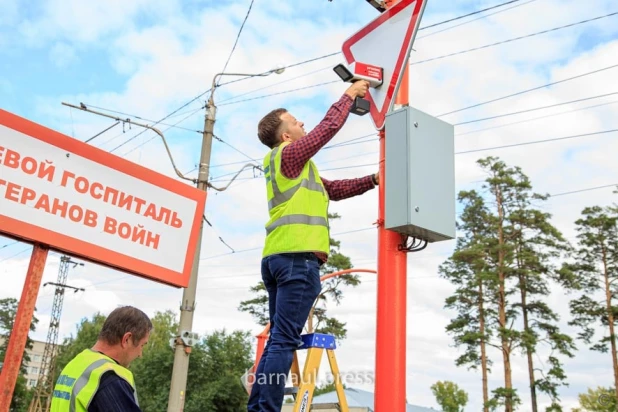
x=95, y=205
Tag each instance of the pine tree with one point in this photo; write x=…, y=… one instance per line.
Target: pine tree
x=537, y=244
x=503, y=185
x=466, y=270
x=319, y=321
x=502, y=267
x=596, y=272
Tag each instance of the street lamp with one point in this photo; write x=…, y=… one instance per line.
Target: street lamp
x=182, y=347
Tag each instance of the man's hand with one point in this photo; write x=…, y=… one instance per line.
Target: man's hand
x=358, y=89
x=376, y=178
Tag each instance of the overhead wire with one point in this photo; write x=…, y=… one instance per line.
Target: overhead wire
x=237, y=38
x=537, y=141
x=101, y=132
x=372, y=136
x=534, y=109
x=370, y=228
x=530, y=90
x=473, y=20
x=513, y=39
x=329, y=55
x=536, y=118
x=469, y=151
x=279, y=93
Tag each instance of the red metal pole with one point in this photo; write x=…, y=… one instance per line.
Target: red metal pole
x=390, y=378
x=21, y=326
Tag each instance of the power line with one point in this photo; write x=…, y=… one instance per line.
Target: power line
x=537, y=141
x=514, y=39
x=220, y=238
x=13, y=255
x=422, y=28
x=100, y=133
x=237, y=37
x=163, y=118
x=584, y=190
x=536, y=118
x=358, y=140
x=534, y=109
x=369, y=228
x=467, y=151
x=473, y=20
x=9, y=244
x=468, y=15
x=258, y=248
x=444, y=114
x=144, y=119
x=290, y=66
x=275, y=84
x=282, y=92
x=529, y=90
x=155, y=135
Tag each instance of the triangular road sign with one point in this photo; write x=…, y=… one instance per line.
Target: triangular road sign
x=386, y=42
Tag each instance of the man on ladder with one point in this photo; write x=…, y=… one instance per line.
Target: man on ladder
x=297, y=234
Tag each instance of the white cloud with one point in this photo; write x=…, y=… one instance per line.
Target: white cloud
x=166, y=58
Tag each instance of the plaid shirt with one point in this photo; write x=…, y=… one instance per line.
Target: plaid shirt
x=296, y=154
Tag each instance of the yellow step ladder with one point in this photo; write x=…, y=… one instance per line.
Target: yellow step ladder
x=304, y=385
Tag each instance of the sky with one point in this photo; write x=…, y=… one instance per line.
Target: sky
x=146, y=59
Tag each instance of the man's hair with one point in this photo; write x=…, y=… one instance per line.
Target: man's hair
x=122, y=320
x=269, y=127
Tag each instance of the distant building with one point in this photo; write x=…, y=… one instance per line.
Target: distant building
x=33, y=367
x=358, y=401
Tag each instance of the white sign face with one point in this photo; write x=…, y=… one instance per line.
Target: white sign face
x=386, y=42
x=87, y=202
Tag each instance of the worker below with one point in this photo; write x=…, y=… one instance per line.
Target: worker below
x=297, y=234
x=97, y=379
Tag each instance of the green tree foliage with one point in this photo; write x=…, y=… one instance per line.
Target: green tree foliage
x=538, y=244
x=85, y=337
x=218, y=361
x=449, y=396
x=595, y=273
x=21, y=394
x=597, y=400
x=332, y=291
x=502, y=268
x=466, y=270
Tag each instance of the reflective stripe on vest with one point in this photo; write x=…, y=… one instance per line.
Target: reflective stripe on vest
x=279, y=197
x=298, y=209
x=80, y=379
x=296, y=219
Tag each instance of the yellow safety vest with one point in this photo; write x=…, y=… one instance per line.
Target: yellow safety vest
x=79, y=381
x=298, y=209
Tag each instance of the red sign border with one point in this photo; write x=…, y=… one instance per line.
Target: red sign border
x=89, y=251
x=403, y=54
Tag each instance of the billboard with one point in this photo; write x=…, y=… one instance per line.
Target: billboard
x=89, y=203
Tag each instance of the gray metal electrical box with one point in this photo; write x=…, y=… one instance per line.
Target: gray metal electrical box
x=420, y=175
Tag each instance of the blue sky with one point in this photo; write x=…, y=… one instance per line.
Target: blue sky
x=147, y=58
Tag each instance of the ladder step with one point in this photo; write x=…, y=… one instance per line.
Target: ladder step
x=291, y=390
x=318, y=406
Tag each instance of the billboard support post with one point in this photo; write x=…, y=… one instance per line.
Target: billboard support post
x=21, y=326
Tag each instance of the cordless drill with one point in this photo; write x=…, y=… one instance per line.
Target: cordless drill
x=360, y=71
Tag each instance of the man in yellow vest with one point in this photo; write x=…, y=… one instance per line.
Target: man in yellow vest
x=297, y=234
x=97, y=379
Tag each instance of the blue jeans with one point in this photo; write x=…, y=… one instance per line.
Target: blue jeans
x=292, y=281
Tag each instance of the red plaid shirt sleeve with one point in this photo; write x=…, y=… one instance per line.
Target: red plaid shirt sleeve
x=296, y=154
x=343, y=189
